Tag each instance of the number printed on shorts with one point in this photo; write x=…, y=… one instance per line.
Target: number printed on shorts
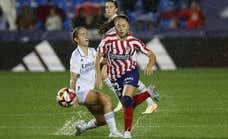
x=117, y=89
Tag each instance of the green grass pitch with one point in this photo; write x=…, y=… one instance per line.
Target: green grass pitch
x=194, y=105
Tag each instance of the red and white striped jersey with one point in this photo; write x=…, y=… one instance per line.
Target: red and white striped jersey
x=119, y=53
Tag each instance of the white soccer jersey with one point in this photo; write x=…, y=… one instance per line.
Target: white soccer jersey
x=84, y=66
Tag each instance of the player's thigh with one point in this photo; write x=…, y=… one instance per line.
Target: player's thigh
x=96, y=110
x=92, y=98
x=93, y=104
x=104, y=72
x=128, y=90
x=104, y=99
x=95, y=97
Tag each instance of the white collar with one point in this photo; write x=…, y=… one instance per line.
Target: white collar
x=81, y=52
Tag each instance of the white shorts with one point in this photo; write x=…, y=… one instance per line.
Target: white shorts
x=82, y=94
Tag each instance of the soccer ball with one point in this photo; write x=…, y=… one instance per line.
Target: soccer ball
x=66, y=97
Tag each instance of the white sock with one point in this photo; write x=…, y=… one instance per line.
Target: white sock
x=111, y=122
x=151, y=92
x=109, y=84
x=149, y=101
x=141, y=86
x=91, y=124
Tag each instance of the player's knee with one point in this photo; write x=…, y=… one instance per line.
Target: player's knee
x=107, y=101
x=127, y=101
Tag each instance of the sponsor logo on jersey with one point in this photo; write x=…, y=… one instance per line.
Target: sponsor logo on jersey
x=119, y=56
x=87, y=67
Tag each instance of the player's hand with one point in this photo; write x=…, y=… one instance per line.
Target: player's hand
x=98, y=82
x=148, y=71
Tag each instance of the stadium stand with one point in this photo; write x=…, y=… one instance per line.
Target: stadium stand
x=144, y=15
x=158, y=13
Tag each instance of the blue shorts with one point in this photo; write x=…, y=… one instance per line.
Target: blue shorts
x=130, y=77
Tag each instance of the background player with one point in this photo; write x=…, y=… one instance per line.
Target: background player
x=111, y=9
x=119, y=46
x=82, y=80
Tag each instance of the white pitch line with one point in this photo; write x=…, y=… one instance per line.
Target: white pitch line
x=194, y=110
x=25, y=127
x=134, y=127
x=34, y=114
x=137, y=122
x=182, y=126
x=78, y=113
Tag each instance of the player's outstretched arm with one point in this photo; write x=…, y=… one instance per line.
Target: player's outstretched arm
x=98, y=71
x=152, y=59
x=73, y=79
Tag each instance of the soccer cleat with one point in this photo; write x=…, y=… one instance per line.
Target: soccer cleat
x=80, y=127
x=116, y=134
x=151, y=108
x=154, y=95
x=127, y=135
x=118, y=107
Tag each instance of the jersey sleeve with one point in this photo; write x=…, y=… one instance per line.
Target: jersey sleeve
x=75, y=64
x=102, y=47
x=140, y=46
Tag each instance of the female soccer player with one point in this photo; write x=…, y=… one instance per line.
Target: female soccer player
x=111, y=9
x=120, y=46
x=82, y=80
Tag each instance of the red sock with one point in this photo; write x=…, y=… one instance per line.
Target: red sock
x=128, y=116
x=139, y=98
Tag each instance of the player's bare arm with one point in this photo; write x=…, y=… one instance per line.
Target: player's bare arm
x=73, y=79
x=98, y=71
x=152, y=59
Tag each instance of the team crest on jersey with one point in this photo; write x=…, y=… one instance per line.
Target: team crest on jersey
x=87, y=67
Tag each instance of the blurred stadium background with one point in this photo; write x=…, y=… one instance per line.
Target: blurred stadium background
x=189, y=38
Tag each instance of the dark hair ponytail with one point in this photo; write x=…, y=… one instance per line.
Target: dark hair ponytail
x=105, y=27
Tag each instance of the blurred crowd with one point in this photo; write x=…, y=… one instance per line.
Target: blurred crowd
x=64, y=14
